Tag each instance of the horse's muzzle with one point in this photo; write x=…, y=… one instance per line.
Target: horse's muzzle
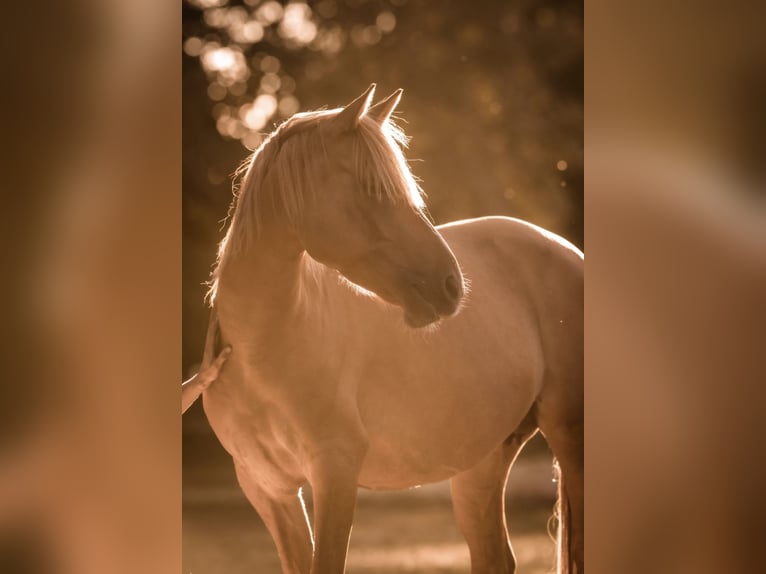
x=426, y=305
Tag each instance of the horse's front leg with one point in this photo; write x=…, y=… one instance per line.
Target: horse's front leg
x=284, y=516
x=334, y=475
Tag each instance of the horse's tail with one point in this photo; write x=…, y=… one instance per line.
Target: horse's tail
x=564, y=564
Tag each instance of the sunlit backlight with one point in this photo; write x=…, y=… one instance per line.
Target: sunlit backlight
x=531, y=551
x=208, y=3
x=420, y=558
x=296, y=24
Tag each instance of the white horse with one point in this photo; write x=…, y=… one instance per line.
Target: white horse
x=327, y=385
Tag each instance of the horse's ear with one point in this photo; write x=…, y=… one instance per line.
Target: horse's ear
x=381, y=111
x=349, y=117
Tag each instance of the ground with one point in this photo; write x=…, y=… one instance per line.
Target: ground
x=394, y=532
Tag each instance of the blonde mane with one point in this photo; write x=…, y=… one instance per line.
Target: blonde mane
x=289, y=162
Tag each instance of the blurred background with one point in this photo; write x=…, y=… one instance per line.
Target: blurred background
x=90, y=233
x=493, y=102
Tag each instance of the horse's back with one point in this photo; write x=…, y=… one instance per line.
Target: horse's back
x=505, y=253
x=508, y=232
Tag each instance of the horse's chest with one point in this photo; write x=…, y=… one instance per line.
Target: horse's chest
x=272, y=454
x=261, y=438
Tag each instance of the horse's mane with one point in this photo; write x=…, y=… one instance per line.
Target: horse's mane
x=291, y=159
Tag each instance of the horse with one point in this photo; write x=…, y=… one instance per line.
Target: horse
x=375, y=350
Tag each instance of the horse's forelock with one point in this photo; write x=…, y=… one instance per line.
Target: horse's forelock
x=381, y=165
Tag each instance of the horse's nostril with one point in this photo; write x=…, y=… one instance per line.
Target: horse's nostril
x=452, y=288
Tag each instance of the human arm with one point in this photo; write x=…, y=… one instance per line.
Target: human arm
x=209, y=369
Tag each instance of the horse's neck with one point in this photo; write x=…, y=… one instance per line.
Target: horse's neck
x=267, y=295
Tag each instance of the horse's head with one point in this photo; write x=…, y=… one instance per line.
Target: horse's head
x=365, y=217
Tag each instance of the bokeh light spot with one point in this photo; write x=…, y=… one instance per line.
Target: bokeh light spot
x=288, y=85
x=216, y=92
x=269, y=12
x=220, y=109
x=256, y=115
x=330, y=40
x=270, y=83
x=327, y=9
x=288, y=106
x=248, y=32
x=216, y=17
x=371, y=35
x=297, y=25
x=386, y=22
x=238, y=89
x=546, y=18
x=193, y=46
x=228, y=63
x=270, y=64
x=251, y=140
x=267, y=103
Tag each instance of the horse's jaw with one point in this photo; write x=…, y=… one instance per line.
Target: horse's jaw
x=421, y=311
x=422, y=316
x=417, y=323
